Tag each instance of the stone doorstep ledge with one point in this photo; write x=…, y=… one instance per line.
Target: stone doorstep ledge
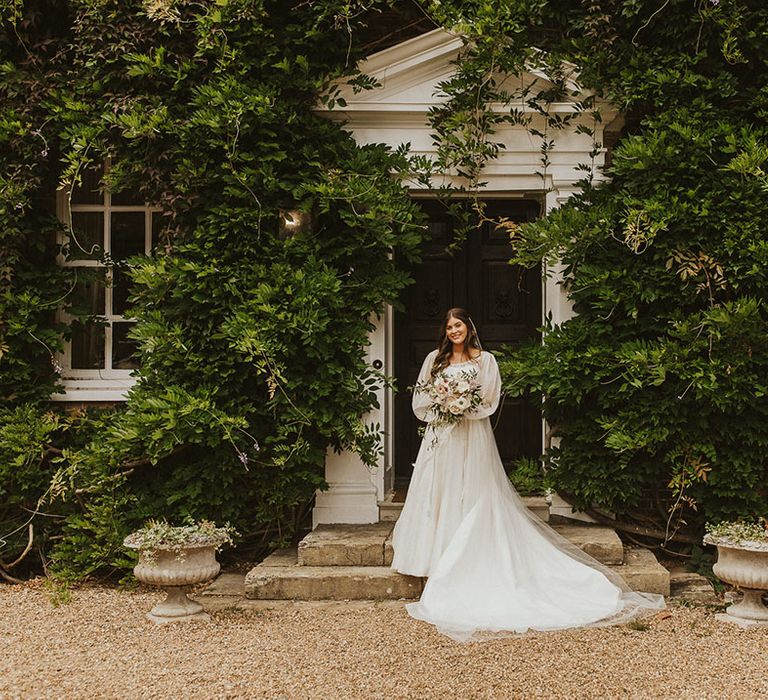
x=330, y=583
x=280, y=576
x=228, y=592
x=351, y=562
x=371, y=545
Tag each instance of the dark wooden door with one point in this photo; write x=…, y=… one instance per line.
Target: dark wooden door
x=504, y=301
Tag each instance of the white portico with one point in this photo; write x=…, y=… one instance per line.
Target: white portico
x=394, y=113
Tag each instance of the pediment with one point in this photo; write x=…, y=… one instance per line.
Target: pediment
x=409, y=75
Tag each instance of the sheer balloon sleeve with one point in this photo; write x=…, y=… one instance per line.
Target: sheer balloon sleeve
x=421, y=401
x=490, y=387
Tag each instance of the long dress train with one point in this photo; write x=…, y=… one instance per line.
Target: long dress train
x=491, y=565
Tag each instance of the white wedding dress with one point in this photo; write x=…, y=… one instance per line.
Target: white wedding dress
x=492, y=566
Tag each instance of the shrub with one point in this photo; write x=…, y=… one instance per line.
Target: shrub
x=252, y=342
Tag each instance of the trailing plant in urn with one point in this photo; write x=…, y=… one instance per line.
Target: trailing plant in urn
x=176, y=557
x=159, y=534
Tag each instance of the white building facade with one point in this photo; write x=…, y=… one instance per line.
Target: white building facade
x=395, y=113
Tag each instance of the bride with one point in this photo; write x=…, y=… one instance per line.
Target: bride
x=491, y=565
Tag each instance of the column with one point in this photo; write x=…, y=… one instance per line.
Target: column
x=354, y=490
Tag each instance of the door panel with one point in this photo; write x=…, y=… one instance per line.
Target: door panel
x=505, y=303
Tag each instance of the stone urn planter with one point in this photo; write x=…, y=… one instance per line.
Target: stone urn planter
x=742, y=561
x=176, y=558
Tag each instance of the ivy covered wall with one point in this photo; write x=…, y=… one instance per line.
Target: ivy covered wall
x=252, y=342
x=251, y=339
x=655, y=393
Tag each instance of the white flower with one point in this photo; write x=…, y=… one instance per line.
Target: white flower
x=459, y=405
x=462, y=386
x=441, y=387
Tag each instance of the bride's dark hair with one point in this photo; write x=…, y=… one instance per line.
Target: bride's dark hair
x=445, y=346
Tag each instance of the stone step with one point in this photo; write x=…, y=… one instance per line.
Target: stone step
x=389, y=510
x=642, y=571
x=599, y=542
x=276, y=579
x=347, y=545
x=280, y=577
x=371, y=545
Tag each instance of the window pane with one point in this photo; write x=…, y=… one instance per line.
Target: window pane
x=88, y=191
x=123, y=348
x=158, y=224
x=87, y=345
x=121, y=286
x=86, y=240
x=127, y=197
x=87, y=298
x=127, y=234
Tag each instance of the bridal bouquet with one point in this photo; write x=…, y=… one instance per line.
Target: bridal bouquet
x=451, y=397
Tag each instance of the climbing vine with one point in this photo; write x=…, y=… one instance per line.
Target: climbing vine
x=655, y=389
x=251, y=332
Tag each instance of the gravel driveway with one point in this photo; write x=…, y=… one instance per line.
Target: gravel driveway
x=99, y=645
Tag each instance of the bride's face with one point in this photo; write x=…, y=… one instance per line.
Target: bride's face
x=456, y=330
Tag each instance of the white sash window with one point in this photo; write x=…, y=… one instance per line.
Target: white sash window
x=103, y=230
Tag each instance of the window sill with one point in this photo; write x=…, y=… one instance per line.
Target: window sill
x=94, y=389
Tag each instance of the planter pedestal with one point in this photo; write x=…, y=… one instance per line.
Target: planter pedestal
x=177, y=607
x=750, y=607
